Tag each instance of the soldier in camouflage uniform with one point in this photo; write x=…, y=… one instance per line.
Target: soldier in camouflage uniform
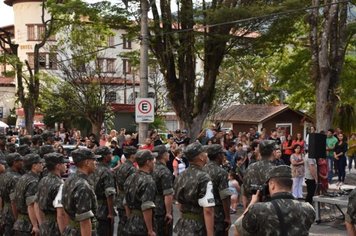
x=23, y=149
x=193, y=191
x=36, y=143
x=125, y=170
x=104, y=186
x=78, y=199
x=256, y=173
x=221, y=191
x=48, y=138
x=10, y=147
x=2, y=172
x=164, y=195
x=49, y=196
x=2, y=146
x=350, y=216
x=7, y=190
x=282, y=214
x=140, y=191
x=43, y=150
x=25, y=196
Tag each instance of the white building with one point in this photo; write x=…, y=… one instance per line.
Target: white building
x=28, y=30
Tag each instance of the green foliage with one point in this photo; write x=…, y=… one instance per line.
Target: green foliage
x=158, y=124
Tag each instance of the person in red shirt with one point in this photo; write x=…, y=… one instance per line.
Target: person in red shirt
x=148, y=145
x=287, y=149
x=299, y=141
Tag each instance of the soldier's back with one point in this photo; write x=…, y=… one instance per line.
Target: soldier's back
x=262, y=218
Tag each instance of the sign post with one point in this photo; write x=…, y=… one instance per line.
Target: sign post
x=144, y=110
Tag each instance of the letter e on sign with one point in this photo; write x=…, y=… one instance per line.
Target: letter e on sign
x=144, y=110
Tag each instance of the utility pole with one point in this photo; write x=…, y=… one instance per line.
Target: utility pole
x=143, y=127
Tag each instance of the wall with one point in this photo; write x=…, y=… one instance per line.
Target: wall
x=242, y=127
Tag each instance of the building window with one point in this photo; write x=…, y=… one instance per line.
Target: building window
x=110, y=65
x=132, y=97
x=31, y=32
x=111, y=97
x=40, y=32
x=52, y=61
x=42, y=60
x=111, y=41
x=100, y=64
x=126, y=66
x=126, y=42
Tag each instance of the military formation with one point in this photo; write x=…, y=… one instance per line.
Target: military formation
x=35, y=200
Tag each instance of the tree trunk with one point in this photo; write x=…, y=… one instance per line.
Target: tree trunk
x=193, y=126
x=323, y=107
x=29, y=110
x=96, y=127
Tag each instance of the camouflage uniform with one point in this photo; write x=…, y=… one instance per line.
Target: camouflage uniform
x=25, y=195
x=350, y=215
x=104, y=186
x=221, y=191
x=47, y=191
x=190, y=186
x=121, y=174
x=256, y=173
x=7, y=189
x=262, y=217
x=78, y=199
x=140, y=191
x=163, y=179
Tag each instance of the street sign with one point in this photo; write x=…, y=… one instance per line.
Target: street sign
x=144, y=110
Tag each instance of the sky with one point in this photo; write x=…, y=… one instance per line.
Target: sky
x=6, y=14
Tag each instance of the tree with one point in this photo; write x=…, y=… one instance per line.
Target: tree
x=200, y=31
x=329, y=38
x=28, y=84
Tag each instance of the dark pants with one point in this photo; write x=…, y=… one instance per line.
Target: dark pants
x=122, y=221
x=104, y=228
x=341, y=166
x=311, y=187
x=162, y=228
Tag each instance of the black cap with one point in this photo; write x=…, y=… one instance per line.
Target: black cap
x=46, y=149
x=160, y=149
x=79, y=155
x=193, y=150
x=102, y=151
x=11, y=157
x=23, y=149
x=31, y=159
x=282, y=171
x=143, y=155
x=213, y=149
x=55, y=158
x=129, y=150
x=36, y=138
x=266, y=147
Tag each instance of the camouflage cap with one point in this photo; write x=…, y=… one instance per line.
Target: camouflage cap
x=46, y=149
x=36, y=138
x=160, y=149
x=11, y=157
x=11, y=147
x=23, y=149
x=282, y=171
x=193, y=150
x=213, y=149
x=55, y=158
x=129, y=150
x=267, y=146
x=79, y=155
x=144, y=155
x=31, y=159
x=46, y=135
x=25, y=140
x=102, y=151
